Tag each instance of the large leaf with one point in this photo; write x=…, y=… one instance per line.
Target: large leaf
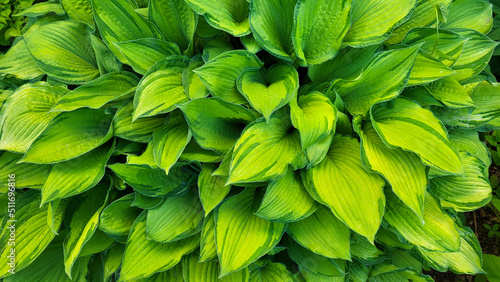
x=160, y=90
x=193, y=86
x=323, y=234
x=241, y=236
x=27, y=175
x=228, y=15
x=63, y=51
x=212, y=188
x=76, y=176
x=319, y=29
x=470, y=14
x=427, y=69
x=117, y=218
x=69, y=135
x=468, y=141
x=272, y=24
x=374, y=20
x=271, y=272
x=143, y=257
x=98, y=92
x=208, y=271
x=268, y=90
x=175, y=19
x=18, y=62
x=214, y=123
x=435, y=232
x=286, y=200
x=404, y=124
x=264, y=150
x=78, y=10
x=220, y=74
x=25, y=114
x=341, y=183
x=450, y=93
x=387, y=75
x=313, y=262
x=402, y=169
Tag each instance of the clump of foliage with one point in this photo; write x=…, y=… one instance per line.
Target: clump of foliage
x=10, y=22
x=240, y=140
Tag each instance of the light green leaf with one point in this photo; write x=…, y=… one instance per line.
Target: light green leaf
x=69, y=135
x=357, y=198
x=470, y=14
x=27, y=175
x=264, y=150
x=118, y=22
x=314, y=116
x=220, y=74
x=403, y=170
x=373, y=20
x=117, y=218
x=139, y=130
x=99, y=242
x=463, y=193
x=193, y=86
x=214, y=123
x=287, y=200
x=106, y=61
x=271, y=272
x=485, y=96
x=436, y=232
x=145, y=202
x=323, y=234
x=490, y=265
x=314, y=262
x=208, y=250
x=175, y=20
x=427, y=69
x=42, y=9
x=241, y=236
x=63, y=51
x=113, y=260
x=160, y=90
x=152, y=50
x=228, y=15
x=450, y=93
x=84, y=223
x=194, y=153
x=77, y=175
x=272, y=24
x=195, y=271
x=78, y=10
x=365, y=251
x=18, y=62
x=268, y=90
x=25, y=114
x=175, y=219
x=387, y=75
x=319, y=29
x=404, y=124
x=250, y=44
x=215, y=47
x=317, y=151
x=212, y=189
x=143, y=257
x=32, y=233
x=468, y=141
x=96, y=93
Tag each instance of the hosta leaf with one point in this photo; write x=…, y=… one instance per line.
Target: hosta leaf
x=271, y=272
x=106, y=61
x=314, y=116
x=264, y=150
x=272, y=24
x=319, y=29
x=485, y=97
x=63, y=51
x=139, y=130
x=490, y=263
x=170, y=140
x=175, y=219
x=427, y=69
x=145, y=202
x=212, y=189
x=220, y=74
x=373, y=21
x=98, y=92
x=69, y=135
x=308, y=276
x=317, y=151
x=450, y=93
x=153, y=182
x=84, y=223
x=78, y=10
x=466, y=260
x=152, y=50
x=268, y=90
x=215, y=47
x=18, y=62
x=314, y=262
x=250, y=44
x=98, y=243
x=366, y=252
x=27, y=175
x=387, y=75
x=117, y=218
x=468, y=141
x=25, y=114
x=404, y=124
x=199, y=271
x=193, y=86
x=470, y=14
x=214, y=123
x=33, y=234
x=323, y=234
x=77, y=175
x=143, y=257
x=228, y=15
x=118, y=22
x=113, y=259
x=160, y=90
x=436, y=232
x=463, y=193
x=402, y=169
x=208, y=250
x=287, y=200
x=356, y=198
x=41, y=9
x=241, y=236
x=194, y=153
x=175, y=20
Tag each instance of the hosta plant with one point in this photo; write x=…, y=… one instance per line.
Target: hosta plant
x=261, y=140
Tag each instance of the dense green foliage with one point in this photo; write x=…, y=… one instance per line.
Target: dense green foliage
x=234, y=140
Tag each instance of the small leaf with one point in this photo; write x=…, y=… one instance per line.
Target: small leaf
x=117, y=218
x=212, y=189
